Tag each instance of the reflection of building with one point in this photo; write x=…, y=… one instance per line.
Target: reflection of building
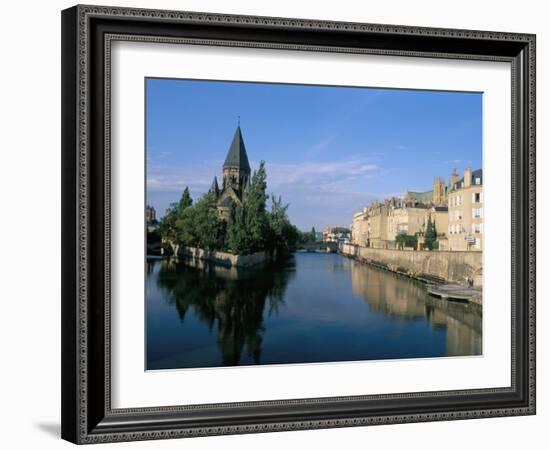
x=396, y=297
x=236, y=176
x=465, y=228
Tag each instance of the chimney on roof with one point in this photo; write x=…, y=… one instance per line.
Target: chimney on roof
x=454, y=178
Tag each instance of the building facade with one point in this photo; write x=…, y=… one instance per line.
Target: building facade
x=456, y=211
x=336, y=234
x=406, y=220
x=465, y=202
x=150, y=215
x=358, y=228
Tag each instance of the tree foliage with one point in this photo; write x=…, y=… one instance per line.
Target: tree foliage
x=169, y=228
x=282, y=234
x=406, y=240
x=248, y=228
x=430, y=236
x=251, y=227
x=199, y=226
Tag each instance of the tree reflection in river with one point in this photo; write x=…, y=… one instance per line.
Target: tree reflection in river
x=313, y=308
x=231, y=299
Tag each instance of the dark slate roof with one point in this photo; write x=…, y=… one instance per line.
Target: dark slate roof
x=420, y=196
x=236, y=156
x=215, y=186
x=227, y=202
x=475, y=174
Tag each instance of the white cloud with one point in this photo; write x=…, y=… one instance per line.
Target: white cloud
x=198, y=177
x=319, y=193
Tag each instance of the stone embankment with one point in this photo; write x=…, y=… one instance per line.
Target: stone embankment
x=436, y=267
x=224, y=258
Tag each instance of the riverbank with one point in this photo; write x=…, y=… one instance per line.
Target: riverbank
x=224, y=258
x=456, y=292
x=434, y=267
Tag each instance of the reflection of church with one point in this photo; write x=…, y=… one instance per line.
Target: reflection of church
x=236, y=176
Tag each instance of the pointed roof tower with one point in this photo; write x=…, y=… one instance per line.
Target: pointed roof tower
x=215, y=188
x=236, y=156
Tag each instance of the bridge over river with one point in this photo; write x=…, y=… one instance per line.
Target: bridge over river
x=325, y=247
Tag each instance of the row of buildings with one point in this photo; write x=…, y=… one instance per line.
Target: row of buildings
x=456, y=210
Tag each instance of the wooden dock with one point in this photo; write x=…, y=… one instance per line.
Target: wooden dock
x=456, y=292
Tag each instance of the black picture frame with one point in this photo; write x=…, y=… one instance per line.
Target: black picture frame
x=87, y=416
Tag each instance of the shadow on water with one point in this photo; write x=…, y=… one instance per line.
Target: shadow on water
x=230, y=299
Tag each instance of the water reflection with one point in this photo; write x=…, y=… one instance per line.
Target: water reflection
x=389, y=294
x=231, y=299
x=311, y=308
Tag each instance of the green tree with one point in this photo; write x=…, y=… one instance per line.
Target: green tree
x=313, y=234
x=430, y=235
x=167, y=225
x=187, y=233
x=206, y=224
x=254, y=203
x=248, y=227
x=406, y=240
x=282, y=235
x=169, y=228
x=185, y=201
x=237, y=238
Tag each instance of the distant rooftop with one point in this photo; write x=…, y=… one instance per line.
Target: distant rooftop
x=475, y=174
x=420, y=196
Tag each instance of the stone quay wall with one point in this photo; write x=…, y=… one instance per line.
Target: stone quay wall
x=224, y=258
x=452, y=267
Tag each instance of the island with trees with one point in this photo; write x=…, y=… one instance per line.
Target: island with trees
x=257, y=229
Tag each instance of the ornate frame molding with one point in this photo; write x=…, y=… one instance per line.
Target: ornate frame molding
x=84, y=421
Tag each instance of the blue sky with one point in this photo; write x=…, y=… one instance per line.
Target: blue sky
x=329, y=151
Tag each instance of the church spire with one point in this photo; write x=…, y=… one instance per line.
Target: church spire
x=236, y=156
x=215, y=188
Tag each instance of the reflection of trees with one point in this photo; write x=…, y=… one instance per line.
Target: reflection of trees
x=394, y=296
x=234, y=299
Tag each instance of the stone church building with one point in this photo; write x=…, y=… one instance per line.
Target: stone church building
x=236, y=177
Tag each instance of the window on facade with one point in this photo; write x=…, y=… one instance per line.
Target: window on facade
x=478, y=180
x=477, y=197
x=477, y=213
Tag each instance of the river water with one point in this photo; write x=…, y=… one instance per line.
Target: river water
x=314, y=307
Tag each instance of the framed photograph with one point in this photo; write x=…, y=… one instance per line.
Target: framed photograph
x=277, y=224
